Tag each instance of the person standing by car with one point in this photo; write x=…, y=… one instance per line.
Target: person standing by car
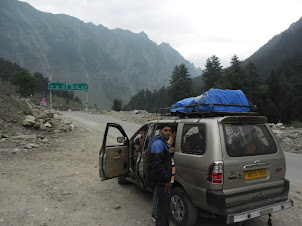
x=161, y=172
x=171, y=144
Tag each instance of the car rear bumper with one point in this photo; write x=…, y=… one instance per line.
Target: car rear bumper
x=218, y=199
x=239, y=217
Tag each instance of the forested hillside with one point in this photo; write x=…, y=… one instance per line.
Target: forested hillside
x=278, y=97
x=27, y=84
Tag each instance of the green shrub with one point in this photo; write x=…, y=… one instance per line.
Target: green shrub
x=27, y=112
x=296, y=124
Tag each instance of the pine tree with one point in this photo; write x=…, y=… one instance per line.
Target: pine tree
x=253, y=91
x=234, y=77
x=212, y=72
x=180, y=84
x=117, y=105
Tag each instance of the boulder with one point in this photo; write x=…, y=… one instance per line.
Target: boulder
x=287, y=141
x=293, y=135
x=50, y=114
x=47, y=125
x=42, y=127
x=30, y=117
x=72, y=127
x=16, y=150
x=37, y=125
x=28, y=122
x=3, y=135
x=42, y=116
x=44, y=141
x=278, y=125
x=273, y=126
x=66, y=122
x=27, y=146
x=33, y=145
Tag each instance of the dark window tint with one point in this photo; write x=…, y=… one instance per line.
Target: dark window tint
x=248, y=140
x=193, y=139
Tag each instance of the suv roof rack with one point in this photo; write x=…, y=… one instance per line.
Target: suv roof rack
x=203, y=114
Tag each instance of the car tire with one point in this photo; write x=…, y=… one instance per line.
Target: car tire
x=121, y=179
x=182, y=210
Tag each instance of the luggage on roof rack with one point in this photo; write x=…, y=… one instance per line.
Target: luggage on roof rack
x=213, y=102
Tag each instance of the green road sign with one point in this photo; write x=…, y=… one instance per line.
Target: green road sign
x=67, y=86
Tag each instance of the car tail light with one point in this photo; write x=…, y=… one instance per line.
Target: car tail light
x=215, y=175
x=278, y=170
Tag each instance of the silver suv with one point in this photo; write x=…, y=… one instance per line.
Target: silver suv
x=227, y=165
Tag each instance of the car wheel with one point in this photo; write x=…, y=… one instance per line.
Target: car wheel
x=182, y=210
x=121, y=179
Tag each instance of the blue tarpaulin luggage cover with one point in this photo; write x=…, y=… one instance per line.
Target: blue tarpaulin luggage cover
x=185, y=102
x=213, y=96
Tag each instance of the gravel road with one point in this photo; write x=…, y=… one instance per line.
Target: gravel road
x=60, y=185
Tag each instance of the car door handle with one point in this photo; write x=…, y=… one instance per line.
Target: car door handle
x=233, y=176
x=120, y=157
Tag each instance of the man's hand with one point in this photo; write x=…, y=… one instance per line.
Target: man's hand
x=168, y=187
x=142, y=141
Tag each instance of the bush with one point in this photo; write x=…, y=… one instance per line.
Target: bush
x=27, y=112
x=25, y=82
x=296, y=124
x=117, y=105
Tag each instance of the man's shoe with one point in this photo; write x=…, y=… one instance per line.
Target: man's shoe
x=153, y=218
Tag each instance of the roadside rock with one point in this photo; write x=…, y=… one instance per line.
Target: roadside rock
x=279, y=125
x=29, y=138
x=28, y=122
x=50, y=114
x=288, y=141
x=37, y=125
x=42, y=116
x=47, y=124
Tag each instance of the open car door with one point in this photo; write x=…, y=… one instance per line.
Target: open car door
x=114, y=153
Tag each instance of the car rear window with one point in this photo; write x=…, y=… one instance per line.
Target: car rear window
x=248, y=140
x=193, y=139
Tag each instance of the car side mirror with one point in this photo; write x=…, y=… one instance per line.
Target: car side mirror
x=121, y=140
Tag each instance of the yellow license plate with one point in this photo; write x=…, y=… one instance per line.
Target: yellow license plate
x=252, y=174
x=265, y=212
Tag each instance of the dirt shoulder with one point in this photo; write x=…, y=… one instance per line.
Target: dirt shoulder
x=59, y=185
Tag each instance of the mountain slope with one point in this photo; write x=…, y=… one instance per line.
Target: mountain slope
x=280, y=48
x=116, y=63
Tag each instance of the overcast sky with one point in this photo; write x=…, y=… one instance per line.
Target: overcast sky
x=197, y=29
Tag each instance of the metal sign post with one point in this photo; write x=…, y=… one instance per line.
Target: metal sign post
x=86, y=100
x=50, y=100
x=67, y=87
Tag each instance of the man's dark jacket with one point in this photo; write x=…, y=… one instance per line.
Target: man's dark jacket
x=160, y=161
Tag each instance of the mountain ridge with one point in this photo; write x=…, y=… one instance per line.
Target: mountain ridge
x=281, y=47
x=116, y=63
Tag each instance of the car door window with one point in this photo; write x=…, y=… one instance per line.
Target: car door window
x=193, y=139
x=113, y=134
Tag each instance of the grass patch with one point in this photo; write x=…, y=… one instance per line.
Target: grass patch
x=27, y=112
x=296, y=124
